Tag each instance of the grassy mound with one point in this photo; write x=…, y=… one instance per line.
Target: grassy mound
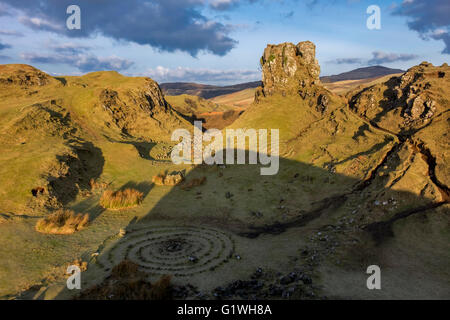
x=192, y=105
x=122, y=199
x=62, y=221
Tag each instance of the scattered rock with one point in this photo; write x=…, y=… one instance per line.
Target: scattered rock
x=228, y=195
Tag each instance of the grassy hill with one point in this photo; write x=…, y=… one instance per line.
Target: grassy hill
x=361, y=73
x=51, y=126
x=240, y=99
x=344, y=86
x=203, y=90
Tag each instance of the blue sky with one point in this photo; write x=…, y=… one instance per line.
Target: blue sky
x=218, y=41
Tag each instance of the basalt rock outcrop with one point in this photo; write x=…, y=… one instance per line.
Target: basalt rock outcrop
x=289, y=69
x=293, y=70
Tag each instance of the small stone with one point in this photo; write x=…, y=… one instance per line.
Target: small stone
x=193, y=259
x=306, y=279
x=286, y=280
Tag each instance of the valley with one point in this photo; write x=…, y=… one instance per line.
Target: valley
x=363, y=180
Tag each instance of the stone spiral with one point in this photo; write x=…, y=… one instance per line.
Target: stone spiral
x=178, y=251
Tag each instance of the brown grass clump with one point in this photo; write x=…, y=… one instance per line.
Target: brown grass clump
x=62, y=221
x=128, y=283
x=193, y=183
x=125, y=269
x=122, y=199
x=165, y=179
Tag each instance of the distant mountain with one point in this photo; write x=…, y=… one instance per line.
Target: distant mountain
x=203, y=90
x=361, y=73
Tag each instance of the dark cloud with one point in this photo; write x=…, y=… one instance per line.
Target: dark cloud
x=380, y=57
x=3, y=10
x=215, y=76
x=84, y=62
x=223, y=5
x=347, y=61
x=69, y=48
x=288, y=15
x=444, y=36
x=168, y=25
x=430, y=18
x=4, y=46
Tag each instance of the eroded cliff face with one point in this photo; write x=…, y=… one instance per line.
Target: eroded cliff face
x=138, y=111
x=405, y=104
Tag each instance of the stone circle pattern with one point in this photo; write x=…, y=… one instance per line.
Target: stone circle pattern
x=178, y=251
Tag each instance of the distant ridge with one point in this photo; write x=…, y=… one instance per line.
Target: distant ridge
x=203, y=90
x=361, y=73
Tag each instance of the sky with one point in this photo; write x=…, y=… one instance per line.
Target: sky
x=218, y=41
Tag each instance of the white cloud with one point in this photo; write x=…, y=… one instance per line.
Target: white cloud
x=182, y=74
x=35, y=22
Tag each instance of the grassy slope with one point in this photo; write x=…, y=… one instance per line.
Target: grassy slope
x=355, y=148
x=36, y=131
x=309, y=137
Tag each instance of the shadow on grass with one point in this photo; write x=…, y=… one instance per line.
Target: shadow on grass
x=241, y=202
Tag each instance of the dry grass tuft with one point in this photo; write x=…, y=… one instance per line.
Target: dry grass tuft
x=128, y=283
x=83, y=265
x=165, y=179
x=95, y=185
x=122, y=199
x=62, y=221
